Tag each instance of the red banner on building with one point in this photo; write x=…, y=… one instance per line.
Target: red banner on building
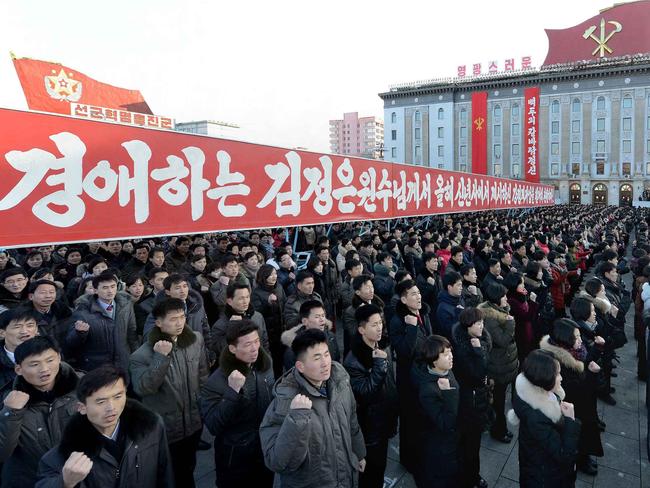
x=479, y=133
x=69, y=180
x=531, y=126
x=52, y=87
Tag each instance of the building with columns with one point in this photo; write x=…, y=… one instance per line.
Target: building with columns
x=593, y=133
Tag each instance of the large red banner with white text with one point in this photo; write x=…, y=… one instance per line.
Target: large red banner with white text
x=531, y=134
x=69, y=180
x=479, y=132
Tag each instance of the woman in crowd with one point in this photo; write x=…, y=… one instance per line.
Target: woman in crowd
x=523, y=308
x=268, y=299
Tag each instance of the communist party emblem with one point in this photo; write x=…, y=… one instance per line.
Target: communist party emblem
x=479, y=121
x=604, y=36
x=62, y=87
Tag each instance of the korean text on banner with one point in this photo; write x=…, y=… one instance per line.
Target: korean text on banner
x=68, y=180
x=479, y=133
x=531, y=134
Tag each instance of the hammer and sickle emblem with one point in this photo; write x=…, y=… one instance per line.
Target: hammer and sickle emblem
x=604, y=37
x=479, y=121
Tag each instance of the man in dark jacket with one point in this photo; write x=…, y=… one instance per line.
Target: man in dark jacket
x=233, y=403
x=111, y=437
x=310, y=434
x=331, y=282
x=364, y=294
x=493, y=275
x=304, y=291
x=449, y=303
x=14, y=288
x=17, y=326
x=408, y=329
x=53, y=316
x=370, y=367
x=103, y=328
x=384, y=280
x=429, y=283
x=36, y=410
x=167, y=372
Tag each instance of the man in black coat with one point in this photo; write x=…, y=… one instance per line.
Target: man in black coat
x=17, y=326
x=370, y=367
x=14, y=288
x=53, y=316
x=233, y=403
x=110, y=436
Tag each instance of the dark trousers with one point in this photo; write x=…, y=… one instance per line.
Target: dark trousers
x=373, y=475
x=469, y=445
x=183, y=456
x=499, y=427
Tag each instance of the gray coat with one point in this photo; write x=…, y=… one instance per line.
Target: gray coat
x=144, y=464
x=170, y=385
x=218, y=331
x=28, y=433
x=292, y=307
x=196, y=318
x=503, y=362
x=218, y=291
x=321, y=446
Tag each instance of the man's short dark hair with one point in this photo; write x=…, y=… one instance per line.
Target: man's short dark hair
x=403, y=287
x=364, y=312
x=608, y=255
x=34, y=346
x=466, y=268
x=431, y=348
x=351, y=263
x=181, y=239
x=428, y=256
x=232, y=288
x=13, y=272
x=494, y=292
x=308, y=306
x=98, y=378
x=155, y=250
x=229, y=258
x=593, y=286
x=607, y=267
x=141, y=245
x=455, y=250
x=401, y=274
x=359, y=281
x=492, y=262
x=103, y=277
x=239, y=328
x=381, y=257
x=17, y=314
x=303, y=275
x=470, y=316
x=33, y=286
x=174, y=279
x=541, y=369
x=154, y=271
x=163, y=307
x=306, y=339
x=450, y=279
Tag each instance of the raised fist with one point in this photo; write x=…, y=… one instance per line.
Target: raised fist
x=443, y=384
x=300, y=401
x=163, y=347
x=378, y=353
x=593, y=367
x=75, y=469
x=273, y=298
x=568, y=410
x=81, y=326
x=411, y=320
x=533, y=296
x=224, y=280
x=599, y=340
x=16, y=399
x=236, y=380
x=475, y=342
x=472, y=289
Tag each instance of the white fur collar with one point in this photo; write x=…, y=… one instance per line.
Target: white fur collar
x=537, y=398
x=562, y=355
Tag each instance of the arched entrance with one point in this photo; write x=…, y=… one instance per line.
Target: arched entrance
x=599, y=194
x=574, y=193
x=625, y=195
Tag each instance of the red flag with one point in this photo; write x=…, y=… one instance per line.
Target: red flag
x=51, y=87
x=479, y=133
x=531, y=137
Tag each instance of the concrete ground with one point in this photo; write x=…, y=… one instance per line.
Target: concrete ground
x=625, y=463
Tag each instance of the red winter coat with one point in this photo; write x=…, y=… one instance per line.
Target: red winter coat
x=525, y=313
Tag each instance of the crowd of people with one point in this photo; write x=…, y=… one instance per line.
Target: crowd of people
x=114, y=356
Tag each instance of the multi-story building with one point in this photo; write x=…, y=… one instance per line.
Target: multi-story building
x=593, y=135
x=357, y=136
x=210, y=128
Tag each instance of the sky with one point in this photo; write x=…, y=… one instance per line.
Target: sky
x=280, y=70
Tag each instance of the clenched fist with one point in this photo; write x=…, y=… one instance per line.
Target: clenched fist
x=593, y=367
x=236, y=380
x=163, y=347
x=378, y=353
x=81, y=326
x=443, y=384
x=411, y=320
x=16, y=400
x=568, y=410
x=599, y=340
x=300, y=401
x=75, y=469
x=475, y=341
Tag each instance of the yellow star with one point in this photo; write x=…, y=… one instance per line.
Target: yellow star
x=62, y=85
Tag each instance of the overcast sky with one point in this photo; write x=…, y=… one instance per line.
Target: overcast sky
x=279, y=69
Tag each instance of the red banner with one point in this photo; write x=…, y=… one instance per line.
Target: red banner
x=479, y=133
x=51, y=87
x=531, y=126
x=68, y=180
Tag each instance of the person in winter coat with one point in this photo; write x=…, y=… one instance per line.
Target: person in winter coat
x=269, y=299
x=53, y=316
x=560, y=287
x=331, y=282
x=579, y=380
x=304, y=291
x=449, y=303
x=436, y=418
x=408, y=329
x=364, y=294
x=523, y=307
x=503, y=363
x=230, y=274
x=472, y=296
x=17, y=326
x=481, y=258
x=14, y=288
x=372, y=377
x=534, y=283
x=310, y=434
x=108, y=438
x=233, y=403
x=353, y=268
x=312, y=316
x=548, y=429
x=430, y=284
x=167, y=372
x=472, y=346
x=35, y=411
x=103, y=328
x=384, y=280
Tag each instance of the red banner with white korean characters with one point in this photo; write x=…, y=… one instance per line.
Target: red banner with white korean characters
x=69, y=180
x=531, y=134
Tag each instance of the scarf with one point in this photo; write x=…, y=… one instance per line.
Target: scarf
x=577, y=354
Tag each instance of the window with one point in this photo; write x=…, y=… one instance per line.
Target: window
x=576, y=106
x=463, y=132
x=627, y=146
x=600, y=103
x=515, y=149
x=575, y=169
x=555, y=107
x=418, y=117
x=515, y=110
x=418, y=152
x=627, y=124
x=647, y=146
x=463, y=151
x=515, y=170
x=497, y=110
x=393, y=152
x=393, y=135
x=575, y=148
x=555, y=169
x=647, y=168
x=497, y=131
x=393, y=118
x=600, y=125
x=418, y=134
x=497, y=151
x=600, y=146
x=463, y=115
x=600, y=168
x=627, y=169
x=555, y=127
x=555, y=149
x=441, y=132
x=627, y=102
x=497, y=170
x=575, y=126
x=463, y=167
x=441, y=114
x=515, y=130
x=441, y=151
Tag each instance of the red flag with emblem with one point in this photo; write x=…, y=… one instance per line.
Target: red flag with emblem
x=52, y=87
x=479, y=133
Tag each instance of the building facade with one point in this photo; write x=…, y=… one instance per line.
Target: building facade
x=211, y=128
x=593, y=120
x=357, y=136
